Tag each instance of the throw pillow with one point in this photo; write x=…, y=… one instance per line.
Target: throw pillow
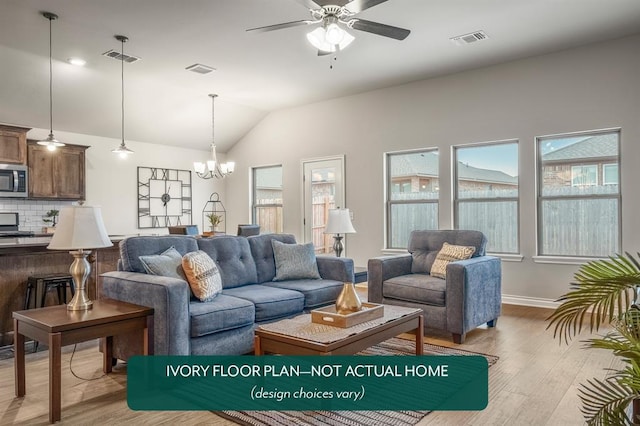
x=166, y=264
x=294, y=261
x=202, y=274
x=447, y=254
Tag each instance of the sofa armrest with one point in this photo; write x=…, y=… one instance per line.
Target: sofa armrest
x=474, y=292
x=169, y=297
x=380, y=269
x=335, y=268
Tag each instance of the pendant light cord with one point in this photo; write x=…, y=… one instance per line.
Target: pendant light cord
x=122, y=40
x=50, y=79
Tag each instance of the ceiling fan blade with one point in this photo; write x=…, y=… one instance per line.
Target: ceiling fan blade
x=357, y=6
x=282, y=26
x=323, y=53
x=380, y=29
x=309, y=4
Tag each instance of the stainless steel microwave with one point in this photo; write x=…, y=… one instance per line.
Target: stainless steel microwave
x=14, y=180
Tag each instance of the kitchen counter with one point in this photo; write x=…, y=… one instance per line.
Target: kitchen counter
x=26, y=256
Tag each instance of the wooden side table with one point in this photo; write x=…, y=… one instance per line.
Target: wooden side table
x=57, y=327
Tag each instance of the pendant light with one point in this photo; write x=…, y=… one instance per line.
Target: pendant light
x=122, y=150
x=212, y=168
x=50, y=142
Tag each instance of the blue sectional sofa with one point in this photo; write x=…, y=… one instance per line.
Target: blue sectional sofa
x=183, y=325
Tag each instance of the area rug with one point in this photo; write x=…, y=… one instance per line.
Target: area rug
x=393, y=346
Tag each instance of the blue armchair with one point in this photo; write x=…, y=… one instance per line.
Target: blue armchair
x=469, y=296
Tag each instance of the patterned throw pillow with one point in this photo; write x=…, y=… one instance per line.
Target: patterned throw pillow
x=447, y=254
x=294, y=261
x=202, y=274
x=165, y=264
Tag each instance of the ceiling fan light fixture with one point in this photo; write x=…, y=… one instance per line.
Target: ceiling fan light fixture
x=333, y=33
x=318, y=39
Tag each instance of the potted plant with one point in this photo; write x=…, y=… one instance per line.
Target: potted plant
x=51, y=218
x=606, y=292
x=214, y=220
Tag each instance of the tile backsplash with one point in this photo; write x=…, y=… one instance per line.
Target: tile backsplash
x=31, y=212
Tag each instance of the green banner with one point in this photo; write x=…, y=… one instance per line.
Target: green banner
x=307, y=383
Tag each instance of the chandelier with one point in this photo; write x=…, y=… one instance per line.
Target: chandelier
x=213, y=168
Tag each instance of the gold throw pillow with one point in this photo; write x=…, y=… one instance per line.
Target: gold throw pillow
x=447, y=254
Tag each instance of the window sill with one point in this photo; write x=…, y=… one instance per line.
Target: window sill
x=562, y=260
x=393, y=252
x=508, y=257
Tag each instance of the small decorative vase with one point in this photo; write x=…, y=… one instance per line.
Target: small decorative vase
x=348, y=300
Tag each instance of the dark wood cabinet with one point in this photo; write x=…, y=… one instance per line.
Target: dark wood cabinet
x=13, y=144
x=58, y=174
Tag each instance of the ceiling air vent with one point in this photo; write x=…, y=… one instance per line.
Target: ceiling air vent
x=469, y=38
x=200, y=69
x=114, y=54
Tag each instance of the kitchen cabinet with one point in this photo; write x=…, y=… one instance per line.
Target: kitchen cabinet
x=58, y=174
x=13, y=144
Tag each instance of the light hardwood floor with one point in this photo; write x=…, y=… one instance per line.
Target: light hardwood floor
x=533, y=383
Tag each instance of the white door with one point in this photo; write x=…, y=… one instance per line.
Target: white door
x=323, y=190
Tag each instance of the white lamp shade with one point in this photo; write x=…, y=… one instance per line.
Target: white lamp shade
x=339, y=222
x=79, y=228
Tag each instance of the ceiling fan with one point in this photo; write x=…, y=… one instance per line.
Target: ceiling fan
x=331, y=37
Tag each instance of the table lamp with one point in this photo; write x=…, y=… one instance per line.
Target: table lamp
x=79, y=230
x=339, y=222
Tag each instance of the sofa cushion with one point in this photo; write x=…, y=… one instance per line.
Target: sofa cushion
x=166, y=264
x=295, y=261
x=233, y=257
x=316, y=292
x=419, y=288
x=448, y=254
x=262, y=251
x=132, y=248
x=202, y=275
x=270, y=303
x=222, y=313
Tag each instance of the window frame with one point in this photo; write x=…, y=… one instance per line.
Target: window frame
x=254, y=186
x=572, y=258
x=389, y=203
x=456, y=196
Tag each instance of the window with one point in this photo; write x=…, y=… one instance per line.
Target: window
x=412, y=194
x=584, y=175
x=579, y=194
x=267, y=198
x=610, y=174
x=486, y=193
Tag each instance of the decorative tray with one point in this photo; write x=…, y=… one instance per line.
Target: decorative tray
x=329, y=316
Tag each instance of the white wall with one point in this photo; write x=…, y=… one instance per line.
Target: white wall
x=111, y=182
x=590, y=87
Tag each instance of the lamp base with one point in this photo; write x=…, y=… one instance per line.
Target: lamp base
x=337, y=244
x=79, y=270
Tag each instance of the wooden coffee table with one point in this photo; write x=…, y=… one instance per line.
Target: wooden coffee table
x=299, y=336
x=57, y=327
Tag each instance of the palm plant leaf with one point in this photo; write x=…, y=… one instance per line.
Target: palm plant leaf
x=606, y=287
x=604, y=401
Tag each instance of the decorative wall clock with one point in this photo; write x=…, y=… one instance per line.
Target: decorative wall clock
x=164, y=197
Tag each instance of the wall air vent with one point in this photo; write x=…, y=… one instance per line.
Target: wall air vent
x=469, y=38
x=114, y=54
x=200, y=69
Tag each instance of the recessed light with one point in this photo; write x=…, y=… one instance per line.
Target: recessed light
x=79, y=62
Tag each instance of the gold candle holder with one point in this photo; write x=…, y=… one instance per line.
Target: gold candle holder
x=348, y=300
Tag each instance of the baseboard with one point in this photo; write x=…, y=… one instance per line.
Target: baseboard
x=535, y=302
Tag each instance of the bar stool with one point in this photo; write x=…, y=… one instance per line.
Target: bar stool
x=44, y=283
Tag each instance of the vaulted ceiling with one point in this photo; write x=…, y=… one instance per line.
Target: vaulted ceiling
x=255, y=72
